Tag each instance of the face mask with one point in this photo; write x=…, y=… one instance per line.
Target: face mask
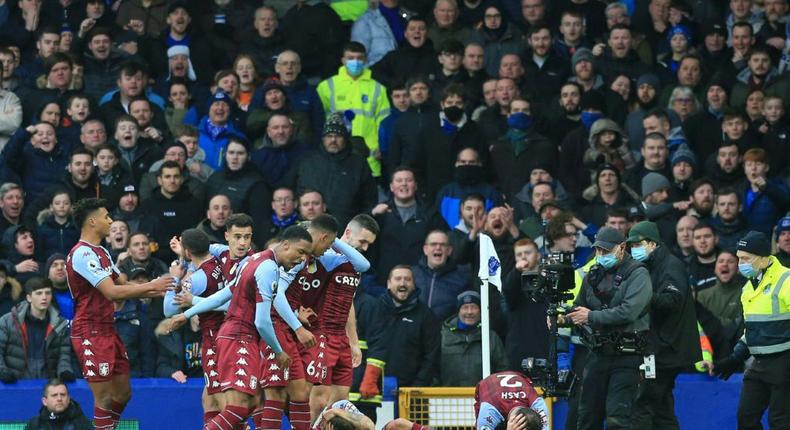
x=519, y=120
x=639, y=253
x=607, y=261
x=355, y=67
x=747, y=270
x=468, y=175
x=453, y=113
x=589, y=118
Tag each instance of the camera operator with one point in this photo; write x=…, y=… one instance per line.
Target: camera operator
x=673, y=327
x=613, y=300
x=766, y=311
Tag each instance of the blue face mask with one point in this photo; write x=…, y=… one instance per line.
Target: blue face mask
x=589, y=118
x=519, y=121
x=639, y=253
x=355, y=67
x=607, y=261
x=747, y=270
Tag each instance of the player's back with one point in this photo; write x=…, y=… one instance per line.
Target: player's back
x=212, y=271
x=240, y=317
x=504, y=391
x=86, y=266
x=335, y=304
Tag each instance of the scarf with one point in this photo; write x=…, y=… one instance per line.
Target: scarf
x=464, y=327
x=214, y=130
x=281, y=224
x=518, y=138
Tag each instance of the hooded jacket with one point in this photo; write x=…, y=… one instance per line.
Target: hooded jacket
x=175, y=215
x=31, y=167
x=70, y=419
x=13, y=343
x=461, y=354
x=246, y=190
x=343, y=178
x=440, y=287
x=617, y=155
x=52, y=237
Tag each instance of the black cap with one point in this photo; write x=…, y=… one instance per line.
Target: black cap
x=129, y=188
x=177, y=4
x=593, y=100
x=608, y=237
x=756, y=243
x=138, y=272
x=714, y=28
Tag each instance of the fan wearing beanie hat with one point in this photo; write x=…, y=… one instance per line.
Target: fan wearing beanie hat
x=766, y=312
x=783, y=241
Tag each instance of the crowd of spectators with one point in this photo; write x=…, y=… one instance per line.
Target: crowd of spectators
x=535, y=122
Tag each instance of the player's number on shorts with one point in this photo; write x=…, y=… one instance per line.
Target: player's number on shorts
x=311, y=370
x=508, y=382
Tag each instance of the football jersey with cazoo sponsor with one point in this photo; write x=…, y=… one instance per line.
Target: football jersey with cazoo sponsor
x=240, y=318
x=86, y=266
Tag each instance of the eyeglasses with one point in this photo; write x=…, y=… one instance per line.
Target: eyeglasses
x=283, y=200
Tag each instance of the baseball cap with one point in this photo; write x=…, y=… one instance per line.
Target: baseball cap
x=608, y=237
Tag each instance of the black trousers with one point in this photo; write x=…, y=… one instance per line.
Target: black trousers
x=655, y=404
x=609, y=387
x=766, y=385
x=577, y=364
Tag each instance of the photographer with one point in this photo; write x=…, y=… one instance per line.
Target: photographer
x=673, y=333
x=613, y=300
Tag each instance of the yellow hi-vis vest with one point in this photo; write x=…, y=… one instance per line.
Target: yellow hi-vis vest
x=363, y=96
x=349, y=10
x=766, y=311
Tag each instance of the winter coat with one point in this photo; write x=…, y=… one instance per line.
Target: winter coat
x=13, y=343
x=175, y=215
x=30, y=167
x=768, y=205
x=440, y=287
x=436, y=151
x=448, y=200
x=545, y=81
x=401, y=242
x=70, y=419
x=52, y=237
x=594, y=212
x=510, y=42
x=153, y=17
x=773, y=85
x=264, y=52
x=372, y=30
x=146, y=153
x=302, y=97
x=274, y=162
x=729, y=233
x=344, y=179
x=11, y=118
x=409, y=125
x=406, y=61
x=703, y=133
x=91, y=189
x=617, y=155
x=512, y=169
x=720, y=313
x=317, y=34
x=180, y=350
x=148, y=184
x=633, y=176
x=455, y=31
x=672, y=317
x=461, y=355
x=215, y=147
x=610, y=67
x=136, y=332
x=776, y=142
x=247, y=192
x=258, y=121
x=204, y=60
x=101, y=75
x=571, y=171
x=407, y=338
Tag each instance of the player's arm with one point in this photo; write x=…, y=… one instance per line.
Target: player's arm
x=539, y=405
x=86, y=263
x=216, y=249
x=198, y=283
x=223, y=307
x=283, y=308
x=360, y=263
x=266, y=275
x=353, y=337
x=489, y=417
x=209, y=303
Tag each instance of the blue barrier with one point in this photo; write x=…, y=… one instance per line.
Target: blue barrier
x=701, y=402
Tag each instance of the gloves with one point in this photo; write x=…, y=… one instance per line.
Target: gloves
x=725, y=367
x=370, y=383
x=67, y=376
x=7, y=376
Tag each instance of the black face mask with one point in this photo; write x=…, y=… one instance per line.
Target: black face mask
x=469, y=175
x=453, y=113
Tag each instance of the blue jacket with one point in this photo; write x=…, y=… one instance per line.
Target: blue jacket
x=762, y=209
x=52, y=237
x=386, y=128
x=32, y=168
x=275, y=162
x=439, y=288
x=215, y=148
x=372, y=30
x=449, y=198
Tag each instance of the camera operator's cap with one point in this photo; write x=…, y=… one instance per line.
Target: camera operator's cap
x=645, y=230
x=653, y=182
x=782, y=226
x=468, y=297
x=608, y=237
x=756, y=243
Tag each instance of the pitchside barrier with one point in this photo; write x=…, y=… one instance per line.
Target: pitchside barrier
x=701, y=403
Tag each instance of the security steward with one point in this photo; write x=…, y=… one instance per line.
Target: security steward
x=613, y=302
x=766, y=313
x=674, y=339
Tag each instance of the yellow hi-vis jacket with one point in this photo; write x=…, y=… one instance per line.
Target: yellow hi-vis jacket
x=766, y=311
x=363, y=96
x=349, y=10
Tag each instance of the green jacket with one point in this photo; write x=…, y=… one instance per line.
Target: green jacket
x=462, y=354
